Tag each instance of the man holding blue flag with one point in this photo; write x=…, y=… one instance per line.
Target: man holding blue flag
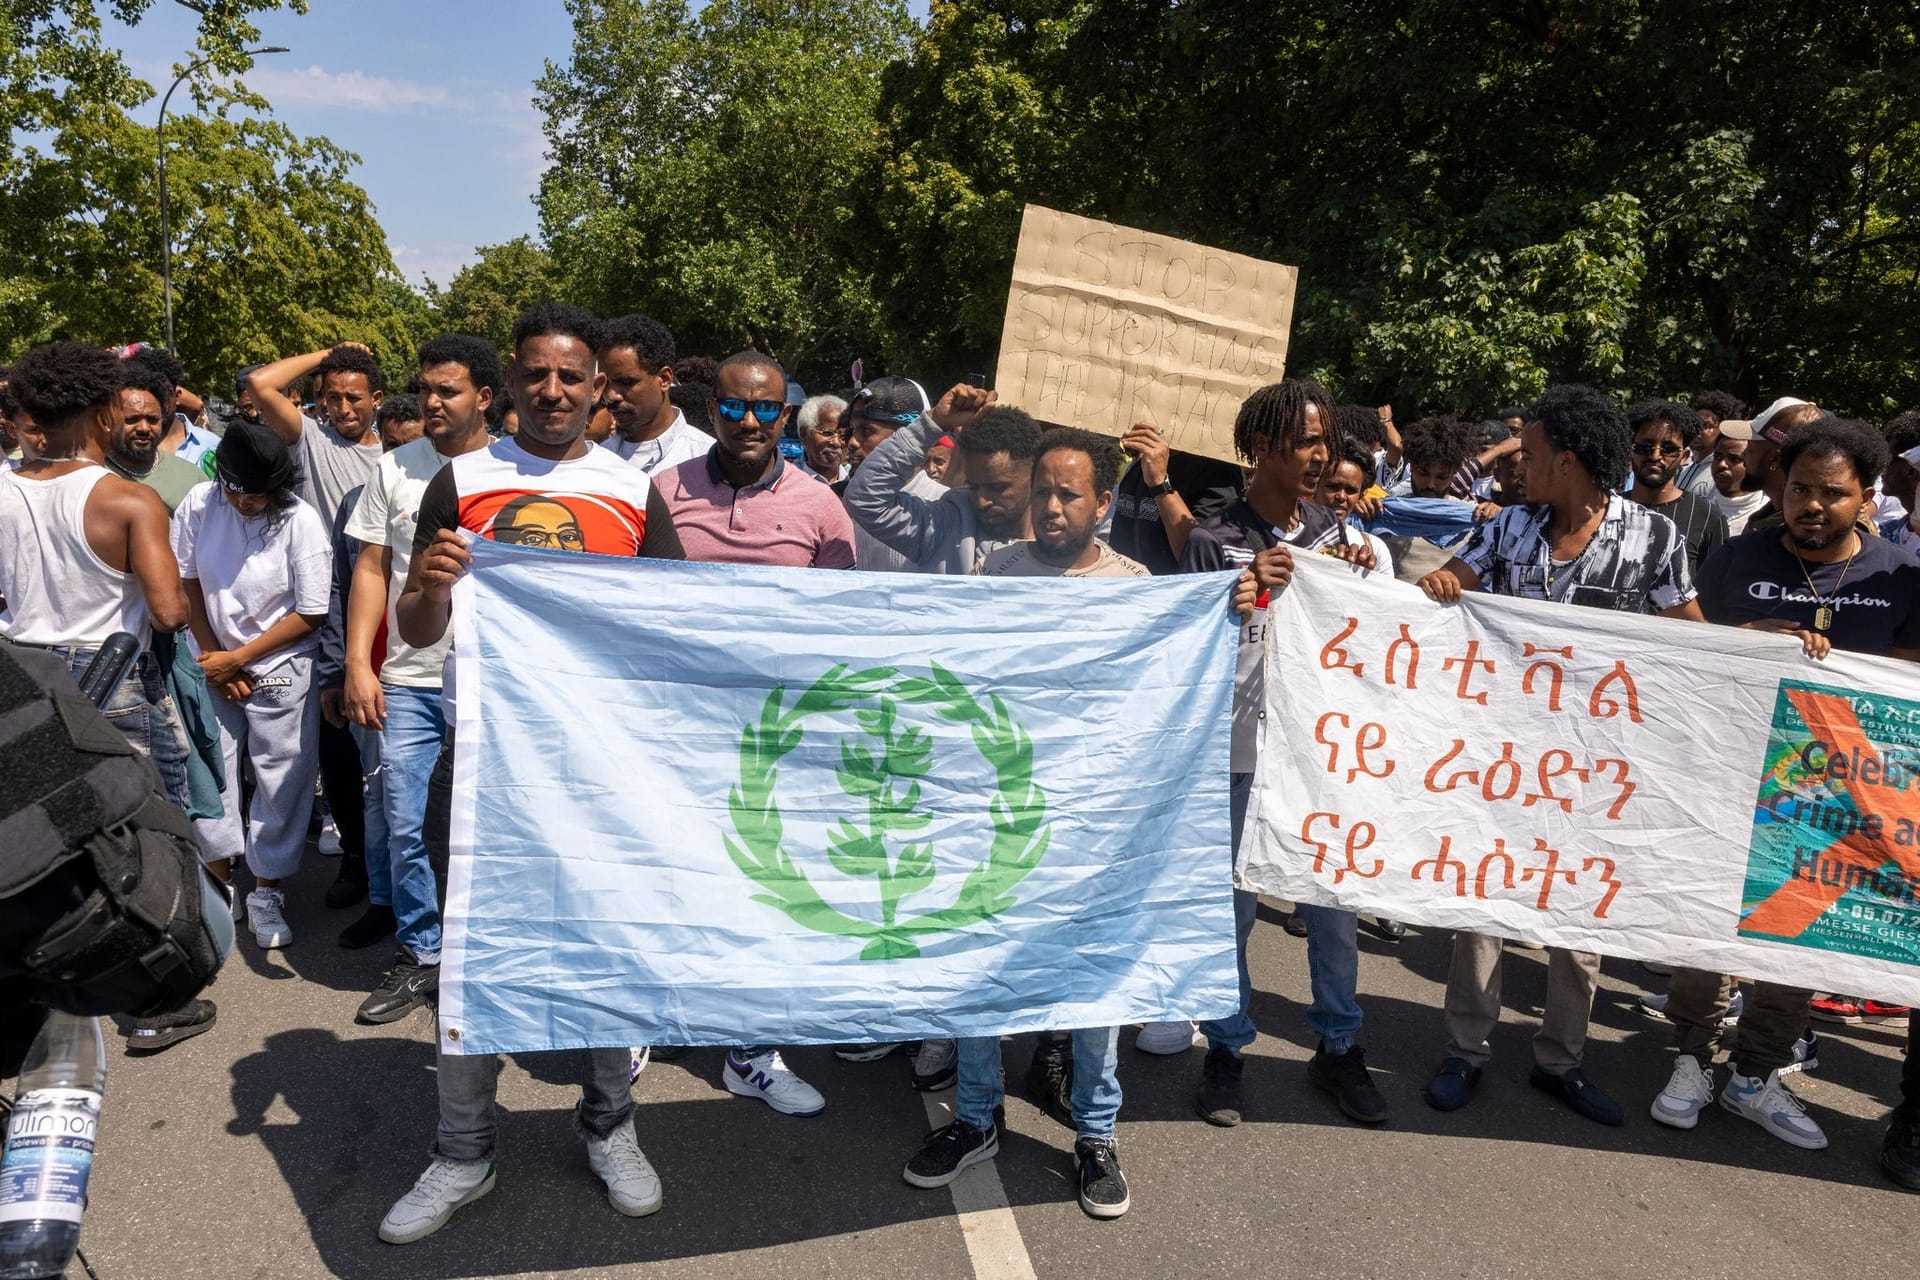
x=547, y=487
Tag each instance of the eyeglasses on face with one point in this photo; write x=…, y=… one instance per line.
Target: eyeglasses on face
x=1666, y=449
x=766, y=412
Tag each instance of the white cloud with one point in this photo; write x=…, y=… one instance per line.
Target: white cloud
x=315, y=86
x=435, y=260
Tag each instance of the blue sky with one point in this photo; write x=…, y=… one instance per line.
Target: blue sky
x=434, y=96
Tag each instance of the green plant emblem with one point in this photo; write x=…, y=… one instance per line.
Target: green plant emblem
x=882, y=771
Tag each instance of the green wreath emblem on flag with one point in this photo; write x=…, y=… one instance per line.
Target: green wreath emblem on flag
x=885, y=777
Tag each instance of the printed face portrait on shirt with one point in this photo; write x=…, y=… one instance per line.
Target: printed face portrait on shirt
x=539, y=520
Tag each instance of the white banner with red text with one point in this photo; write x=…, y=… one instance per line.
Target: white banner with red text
x=1655, y=790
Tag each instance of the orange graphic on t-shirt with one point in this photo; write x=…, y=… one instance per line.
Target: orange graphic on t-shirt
x=557, y=520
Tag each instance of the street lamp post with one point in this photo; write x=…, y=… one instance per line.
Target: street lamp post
x=166, y=237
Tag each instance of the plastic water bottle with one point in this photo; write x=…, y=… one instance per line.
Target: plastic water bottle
x=49, y=1152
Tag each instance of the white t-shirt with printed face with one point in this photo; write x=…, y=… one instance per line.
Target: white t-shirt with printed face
x=254, y=572
x=388, y=511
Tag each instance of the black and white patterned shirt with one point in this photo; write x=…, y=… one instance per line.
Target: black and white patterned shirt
x=1636, y=561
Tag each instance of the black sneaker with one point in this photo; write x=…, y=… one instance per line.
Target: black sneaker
x=1218, y=1101
x=1295, y=924
x=1345, y=1076
x=1900, y=1153
x=151, y=1035
x=350, y=884
x=376, y=924
x=872, y=1052
x=403, y=988
x=1103, y=1188
x=1050, y=1080
x=1384, y=929
x=669, y=1052
x=948, y=1151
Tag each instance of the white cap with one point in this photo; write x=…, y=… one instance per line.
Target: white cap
x=1912, y=456
x=1761, y=419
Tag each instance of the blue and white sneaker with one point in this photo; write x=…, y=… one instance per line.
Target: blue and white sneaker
x=1687, y=1094
x=637, y=1057
x=1772, y=1106
x=767, y=1077
x=1806, y=1054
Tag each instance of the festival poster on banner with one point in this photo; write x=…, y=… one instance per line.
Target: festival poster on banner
x=1610, y=782
x=730, y=804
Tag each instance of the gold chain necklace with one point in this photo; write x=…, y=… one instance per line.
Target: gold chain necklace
x=1823, y=615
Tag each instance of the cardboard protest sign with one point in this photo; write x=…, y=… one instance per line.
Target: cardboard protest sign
x=1107, y=326
x=1561, y=775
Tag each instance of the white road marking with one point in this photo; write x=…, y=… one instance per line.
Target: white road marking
x=986, y=1221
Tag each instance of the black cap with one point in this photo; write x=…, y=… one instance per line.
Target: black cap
x=887, y=398
x=253, y=459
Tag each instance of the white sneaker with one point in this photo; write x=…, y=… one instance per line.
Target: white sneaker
x=444, y=1187
x=1735, y=1007
x=328, y=845
x=1806, y=1054
x=632, y=1186
x=935, y=1065
x=1166, y=1038
x=266, y=912
x=1772, y=1106
x=637, y=1061
x=767, y=1077
x=1688, y=1091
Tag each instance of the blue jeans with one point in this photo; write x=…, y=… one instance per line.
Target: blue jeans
x=1096, y=1081
x=374, y=784
x=1333, y=959
x=141, y=709
x=409, y=745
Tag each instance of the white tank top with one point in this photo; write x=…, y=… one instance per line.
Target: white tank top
x=57, y=591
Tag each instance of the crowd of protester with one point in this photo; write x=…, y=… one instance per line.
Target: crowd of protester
x=289, y=565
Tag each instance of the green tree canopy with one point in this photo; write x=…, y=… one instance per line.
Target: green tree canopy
x=706, y=168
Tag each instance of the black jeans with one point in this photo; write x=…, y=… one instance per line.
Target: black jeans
x=344, y=782
x=436, y=827
x=1910, y=1074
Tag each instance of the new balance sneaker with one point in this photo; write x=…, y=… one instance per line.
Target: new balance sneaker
x=1653, y=1004
x=1772, y=1106
x=447, y=1185
x=767, y=1077
x=949, y=1151
x=151, y=1035
x=1345, y=1076
x=1736, y=1005
x=1806, y=1054
x=935, y=1066
x=870, y=1052
x=401, y=989
x=1218, y=1100
x=266, y=915
x=1103, y=1188
x=1875, y=1011
x=1844, y=1009
x=1167, y=1038
x=328, y=845
x=637, y=1061
x=1689, y=1089
x=632, y=1186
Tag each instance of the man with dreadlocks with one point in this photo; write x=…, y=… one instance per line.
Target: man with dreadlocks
x=1288, y=432
x=1575, y=540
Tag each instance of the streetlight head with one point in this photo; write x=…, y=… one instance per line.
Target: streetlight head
x=274, y=48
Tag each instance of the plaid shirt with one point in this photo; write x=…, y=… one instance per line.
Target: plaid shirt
x=1636, y=561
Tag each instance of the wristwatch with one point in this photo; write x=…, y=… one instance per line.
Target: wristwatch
x=1160, y=490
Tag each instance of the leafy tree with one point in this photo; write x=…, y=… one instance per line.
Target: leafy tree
x=487, y=295
x=705, y=167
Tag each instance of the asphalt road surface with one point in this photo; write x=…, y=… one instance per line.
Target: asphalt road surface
x=270, y=1147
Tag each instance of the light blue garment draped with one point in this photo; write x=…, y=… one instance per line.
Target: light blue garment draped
x=721, y=804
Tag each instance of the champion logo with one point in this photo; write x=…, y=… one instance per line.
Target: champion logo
x=1771, y=591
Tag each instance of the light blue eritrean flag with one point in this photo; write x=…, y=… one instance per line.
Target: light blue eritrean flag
x=721, y=804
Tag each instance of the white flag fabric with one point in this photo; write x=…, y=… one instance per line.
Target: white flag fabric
x=1610, y=782
x=721, y=804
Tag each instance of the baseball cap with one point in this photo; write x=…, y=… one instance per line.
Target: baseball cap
x=898, y=399
x=1736, y=429
x=1763, y=428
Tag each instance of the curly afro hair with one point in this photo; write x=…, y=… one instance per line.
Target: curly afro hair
x=1720, y=402
x=1440, y=441
x=1591, y=426
x=140, y=376
x=58, y=381
x=1102, y=451
x=650, y=341
x=162, y=362
x=1359, y=425
x=1864, y=448
x=560, y=319
x=1274, y=416
x=476, y=355
x=1678, y=416
x=1004, y=428
x=1903, y=431
x=350, y=360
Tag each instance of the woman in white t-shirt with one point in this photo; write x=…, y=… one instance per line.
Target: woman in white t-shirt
x=257, y=563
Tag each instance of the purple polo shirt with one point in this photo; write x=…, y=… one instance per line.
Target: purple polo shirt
x=787, y=517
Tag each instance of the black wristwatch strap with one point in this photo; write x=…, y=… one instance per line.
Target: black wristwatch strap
x=1160, y=490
